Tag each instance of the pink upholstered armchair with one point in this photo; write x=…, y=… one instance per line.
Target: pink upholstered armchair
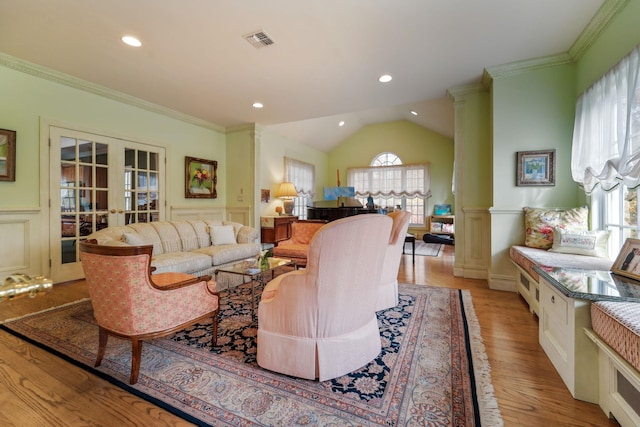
x=321, y=322
x=388, y=288
x=296, y=247
x=129, y=303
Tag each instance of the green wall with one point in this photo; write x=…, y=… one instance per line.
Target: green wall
x=618, y=39
x=27, y=98
x=410, y=142
x=272, y=149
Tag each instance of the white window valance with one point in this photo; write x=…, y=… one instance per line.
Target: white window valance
x=302, y=175
x=606, y=134
x=391, y=181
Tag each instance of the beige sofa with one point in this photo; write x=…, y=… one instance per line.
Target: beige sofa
x=197, y=247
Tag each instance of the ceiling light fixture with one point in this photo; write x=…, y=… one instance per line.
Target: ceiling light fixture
x=131, y=41
x=341, y=123
x=414, y=113
x=385, y=78
x=258, y=105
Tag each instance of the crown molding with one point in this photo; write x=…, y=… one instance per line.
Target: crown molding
x=520, y=67
x=458, y=92
x=83, y=85
x=602, y=18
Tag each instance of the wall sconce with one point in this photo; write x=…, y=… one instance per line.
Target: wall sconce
x=287, y=192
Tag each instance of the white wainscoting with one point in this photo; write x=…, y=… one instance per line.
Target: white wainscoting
x=507, y=227
x=21, y=249
x=237, y=214
x=476, y=243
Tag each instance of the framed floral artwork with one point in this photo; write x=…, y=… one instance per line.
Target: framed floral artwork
x=536, y=168
x=201, y=178
x=7, y=155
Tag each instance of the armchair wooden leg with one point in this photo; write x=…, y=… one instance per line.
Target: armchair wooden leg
x=214, y=327
x=103, y=336
x=136, y=356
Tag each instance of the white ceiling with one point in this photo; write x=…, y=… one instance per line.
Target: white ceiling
x=322, y=68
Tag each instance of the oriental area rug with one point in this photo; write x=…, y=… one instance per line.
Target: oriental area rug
x=432, y=371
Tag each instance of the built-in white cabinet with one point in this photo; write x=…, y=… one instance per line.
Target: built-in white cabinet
x=562, y=321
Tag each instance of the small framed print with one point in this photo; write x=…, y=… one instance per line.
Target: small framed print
x=7, y=155
x=536, y=168
x=627, y=262
x=201, y=178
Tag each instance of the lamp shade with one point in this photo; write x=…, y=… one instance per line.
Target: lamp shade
x=286, y=190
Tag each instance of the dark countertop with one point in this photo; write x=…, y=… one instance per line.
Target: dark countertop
x=591, y=285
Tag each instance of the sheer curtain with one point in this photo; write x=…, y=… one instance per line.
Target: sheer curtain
x=606, y=134
x=303, y=177
x=391, y=181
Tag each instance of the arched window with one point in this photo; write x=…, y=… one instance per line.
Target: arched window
x=393, y=185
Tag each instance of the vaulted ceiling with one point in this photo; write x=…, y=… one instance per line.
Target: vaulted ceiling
x=321, y=68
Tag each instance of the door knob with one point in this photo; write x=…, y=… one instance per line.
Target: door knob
x=112, y=211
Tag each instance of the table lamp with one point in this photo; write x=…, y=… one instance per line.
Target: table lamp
x=287, y=192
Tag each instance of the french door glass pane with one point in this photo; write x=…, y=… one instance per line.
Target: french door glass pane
x=83, y=209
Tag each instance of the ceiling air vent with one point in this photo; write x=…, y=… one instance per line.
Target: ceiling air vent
x=259, y=39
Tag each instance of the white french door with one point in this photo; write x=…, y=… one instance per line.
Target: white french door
x=98, y=181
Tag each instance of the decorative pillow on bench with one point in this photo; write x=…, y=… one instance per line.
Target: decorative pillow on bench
x=592, y=243
x=540, y=222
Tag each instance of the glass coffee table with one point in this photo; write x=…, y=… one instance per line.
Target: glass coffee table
x=257, y=274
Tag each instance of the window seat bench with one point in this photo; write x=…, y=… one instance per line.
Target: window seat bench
x=527, y=281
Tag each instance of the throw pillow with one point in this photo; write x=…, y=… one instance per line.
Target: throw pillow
x=222, y=235
x=539, y=224
x=592, y=243
x=134, y=239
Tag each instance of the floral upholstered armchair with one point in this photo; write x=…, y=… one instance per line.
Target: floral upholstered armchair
x=297, y=246
x=130, y=303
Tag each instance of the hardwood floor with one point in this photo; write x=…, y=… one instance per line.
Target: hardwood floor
x=40, y=389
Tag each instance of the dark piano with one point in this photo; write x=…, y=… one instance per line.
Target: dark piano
x=330, y=210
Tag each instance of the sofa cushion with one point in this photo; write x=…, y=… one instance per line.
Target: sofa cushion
x=591, y=243
x=135, y=239
x=187, y=234
x=228, y=253
x=539, y=224
x=148, y=233
x=169, y=236
x=202, y=232
x=222, y=235
x=181, y=262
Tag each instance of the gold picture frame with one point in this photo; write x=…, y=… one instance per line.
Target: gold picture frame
x=7, y=155
x=627, y=262
x=200, y=178
x=536, y=168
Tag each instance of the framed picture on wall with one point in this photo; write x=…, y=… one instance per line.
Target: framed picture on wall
x=536, y=168
x=7, y=155
x=200, y=178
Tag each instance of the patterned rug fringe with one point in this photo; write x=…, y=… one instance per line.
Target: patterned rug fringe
x=489, y=412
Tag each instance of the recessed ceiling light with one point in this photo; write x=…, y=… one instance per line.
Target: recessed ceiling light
x=385, y=78
x=341, y=123
x=414, y=113
x=131, y=41
x=258, y=105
